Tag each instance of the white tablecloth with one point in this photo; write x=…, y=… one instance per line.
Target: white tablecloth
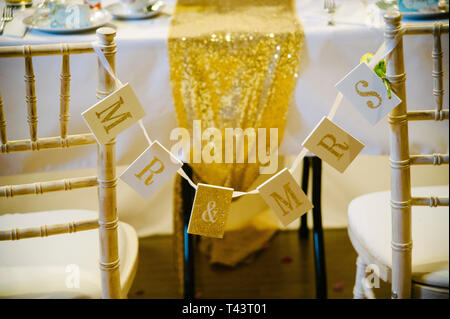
x=142, y=60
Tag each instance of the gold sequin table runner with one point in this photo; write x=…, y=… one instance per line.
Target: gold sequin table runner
x=233, y=64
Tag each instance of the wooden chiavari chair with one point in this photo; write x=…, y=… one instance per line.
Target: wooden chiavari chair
x=383, y=236
x=107, y=221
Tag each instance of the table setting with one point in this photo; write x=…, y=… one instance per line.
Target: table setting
x=54, y=16
x=93, y=14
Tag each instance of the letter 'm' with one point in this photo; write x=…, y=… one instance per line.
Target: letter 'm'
x=110, y=116
x=286, y=202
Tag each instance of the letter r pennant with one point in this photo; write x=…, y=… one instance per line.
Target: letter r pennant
x=151, y=170
x=285, y=197
x=333, y=145
x=113, y=114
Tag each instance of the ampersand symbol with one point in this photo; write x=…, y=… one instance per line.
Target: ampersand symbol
x=209, y=214
x=369, y=93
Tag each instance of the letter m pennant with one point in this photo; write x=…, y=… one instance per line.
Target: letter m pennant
x=114, y=114
x=282, y=193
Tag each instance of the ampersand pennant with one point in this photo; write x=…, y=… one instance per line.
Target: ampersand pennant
x=210, y=210
x=285, y=197
x=113, y=114
x=333, y=145
x=151, y=170
x=367, y=93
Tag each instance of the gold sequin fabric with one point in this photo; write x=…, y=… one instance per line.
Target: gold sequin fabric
x=233, y=63
x=210, y=211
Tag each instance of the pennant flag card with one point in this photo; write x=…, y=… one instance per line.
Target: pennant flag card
x=210, y=210
x=285, y=197
x=114, y=114
x=151, y=170
x=367, y=93
x=333, y=145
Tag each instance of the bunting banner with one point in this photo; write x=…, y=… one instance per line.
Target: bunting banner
x=367, y=90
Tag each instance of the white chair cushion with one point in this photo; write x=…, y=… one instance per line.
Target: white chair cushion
x=40, y=267
x=369, y=218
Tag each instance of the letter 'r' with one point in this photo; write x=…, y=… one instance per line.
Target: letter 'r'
x=110, y=115
x=286, y=202
x=331, y=147
x=151, y=169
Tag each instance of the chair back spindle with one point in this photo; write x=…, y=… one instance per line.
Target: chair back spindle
x=64, y=115
x=30, y=93
x=399, y=161
x=108, y=221
x=437, y=73
x=3, y=138
x=400, y=158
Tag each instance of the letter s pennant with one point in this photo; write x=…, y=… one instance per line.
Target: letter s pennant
x=285, y=197
x=367, y=93
x=113, y=114
x=151, y=170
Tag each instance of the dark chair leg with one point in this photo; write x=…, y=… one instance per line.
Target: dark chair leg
x=319, y=251
x=188, y=194
x=303, y=230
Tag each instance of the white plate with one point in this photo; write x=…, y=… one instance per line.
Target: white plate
x=119, y=11
x=41, y=21
x=19, y=4
x=425, y=15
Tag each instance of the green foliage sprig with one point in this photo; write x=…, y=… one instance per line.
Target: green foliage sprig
x=379, y=69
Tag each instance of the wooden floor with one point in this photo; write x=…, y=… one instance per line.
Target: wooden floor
x=285, y=269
